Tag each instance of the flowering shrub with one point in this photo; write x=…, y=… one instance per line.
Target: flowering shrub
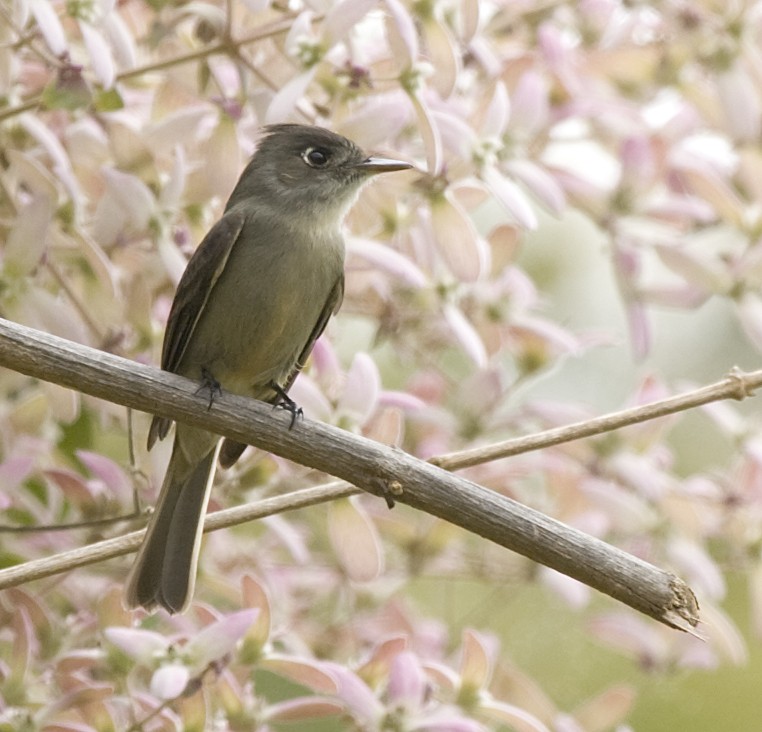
x=581, y=232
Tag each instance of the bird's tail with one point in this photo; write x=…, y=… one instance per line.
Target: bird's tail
x=164, y=571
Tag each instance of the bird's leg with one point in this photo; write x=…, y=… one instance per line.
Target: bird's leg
x=284, y=401
x=210, y=384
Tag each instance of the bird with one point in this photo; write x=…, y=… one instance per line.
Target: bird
x=255, y=296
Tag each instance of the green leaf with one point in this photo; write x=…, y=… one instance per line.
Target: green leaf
x=108, y=100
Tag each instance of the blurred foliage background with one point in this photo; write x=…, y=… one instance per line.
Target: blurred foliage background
x=581, y=233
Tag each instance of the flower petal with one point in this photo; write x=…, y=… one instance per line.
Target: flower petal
x=511, y=196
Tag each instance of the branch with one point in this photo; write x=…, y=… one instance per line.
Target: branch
x=736, y=385
x=229, y=45
x=372, y=467
x=117, y=547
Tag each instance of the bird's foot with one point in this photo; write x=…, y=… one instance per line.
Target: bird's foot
x=284, y=401
x=209, y=384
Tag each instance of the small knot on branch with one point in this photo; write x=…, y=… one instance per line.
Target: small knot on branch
x=743, y=387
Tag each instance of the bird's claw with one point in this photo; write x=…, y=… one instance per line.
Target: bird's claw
x=284, y=401
x=210, y=384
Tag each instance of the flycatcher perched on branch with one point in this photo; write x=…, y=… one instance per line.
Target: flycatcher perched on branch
x=254, y=298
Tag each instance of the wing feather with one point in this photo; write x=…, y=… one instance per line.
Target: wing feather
x=192, y=294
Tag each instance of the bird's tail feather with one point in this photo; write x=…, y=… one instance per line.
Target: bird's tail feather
x=164, y=572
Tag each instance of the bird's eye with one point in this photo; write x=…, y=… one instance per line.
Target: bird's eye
x=316, y=157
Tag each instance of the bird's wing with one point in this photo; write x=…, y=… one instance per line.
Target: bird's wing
x=196, y=285
x=203, y=270
x=332, y=304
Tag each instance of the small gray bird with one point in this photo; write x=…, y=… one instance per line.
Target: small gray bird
x=255, y=297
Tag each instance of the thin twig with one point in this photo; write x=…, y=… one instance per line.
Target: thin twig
x=224, y=47
x=70, y=526
x=109, y=548
x=736, y=385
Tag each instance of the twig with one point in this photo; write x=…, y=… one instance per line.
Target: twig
x=372, y=467
x=736, y=385
x=226, y=46
x=109, y=548
x=70, y=526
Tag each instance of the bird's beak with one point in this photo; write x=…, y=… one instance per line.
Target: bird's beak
x=372, y=165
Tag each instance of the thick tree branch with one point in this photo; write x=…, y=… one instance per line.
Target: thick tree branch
x=373, y=467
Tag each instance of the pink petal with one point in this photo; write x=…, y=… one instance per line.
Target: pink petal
x=638, y=637
x=376, y=668
x=355, y=541
x=27, y=172
x=607, y=710
x=361, y=389
x=518, y=719
x=106, y=470
x=180, y=127
x=699, y=270
x=540, y=184
x=219, y=638
x=28, y=238
x=37, y=129
x=432, y=140
x=447, y=720
x=71, y=484
x=530, y=106
x=456, y=135
x=461, y=247
x=444, y=56
x=131, y=196
x=356, y=693
x=383, y=257
x=380, y=119
x=303, y=709
x=282, y=105
x=49, y=25
x=702, y=180
x=100, y=54
x=497, y=114
x=692, y=562
x=14, y=470
x=401, y=400
x=407, y=685
x=299, y=31
x=724, y=636
x=144, y=646
x=311, y=674
x=511, y=196
x=121, y=40
x=469, y=19
x=308, y=395
x=255, y=596
x=476, y=661
x=343, y=17
x=290, y=537
x=638, y=161
x=402, y=34
x=740, y=99
x=169, y=680
x=466, y=334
